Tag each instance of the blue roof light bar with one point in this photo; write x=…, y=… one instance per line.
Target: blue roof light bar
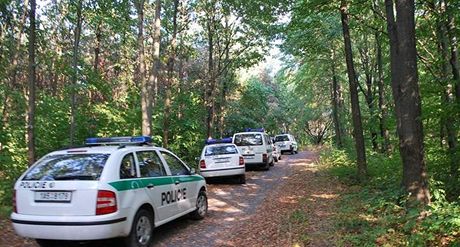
x=118, y=140
x=216, y=141
x=254, y=130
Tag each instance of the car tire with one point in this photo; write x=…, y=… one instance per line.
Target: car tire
x=201, y=206
x=47, y=243
x=242, y=179
x=141, y=234
x=279, y=158
x=266, y=167
x=276, y=159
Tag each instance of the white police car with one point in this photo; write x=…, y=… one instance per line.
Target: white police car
x=256, y=147
x=286, y=143
x=107, y=189
x=221, y=158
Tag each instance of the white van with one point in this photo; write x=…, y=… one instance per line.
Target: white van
x=286, y=143
x=256, y=147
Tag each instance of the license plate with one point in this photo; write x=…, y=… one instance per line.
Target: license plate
x=248, y=157
x=53, y=196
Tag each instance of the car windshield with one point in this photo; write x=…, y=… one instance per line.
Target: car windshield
x=216, y=150
x=282, y=138
x=248, y=139
x=68, y=167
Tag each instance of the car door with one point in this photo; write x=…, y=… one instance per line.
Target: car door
x=183, y=182
x=157, y=184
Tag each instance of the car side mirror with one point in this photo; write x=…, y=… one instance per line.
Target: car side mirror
x=192, y=171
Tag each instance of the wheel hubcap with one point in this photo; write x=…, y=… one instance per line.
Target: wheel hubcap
x=143, y=230
x=202, y=205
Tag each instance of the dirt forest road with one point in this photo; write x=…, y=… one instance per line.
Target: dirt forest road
x=259, y=213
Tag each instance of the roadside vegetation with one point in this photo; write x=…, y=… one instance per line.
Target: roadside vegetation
x=377, y=212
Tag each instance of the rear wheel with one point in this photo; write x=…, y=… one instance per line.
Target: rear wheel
x=266, y=166
x=141, y=230
x=201, y=206
x=242, y=179
x=47, y=243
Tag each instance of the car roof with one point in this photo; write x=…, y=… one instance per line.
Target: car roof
x=220, y=144
x=250, y=132
x=109, y=149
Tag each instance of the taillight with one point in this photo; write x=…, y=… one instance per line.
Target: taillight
x=264, y=157
x=241, y=161
x=15, y=208
x=106, y=202
x=202, y=164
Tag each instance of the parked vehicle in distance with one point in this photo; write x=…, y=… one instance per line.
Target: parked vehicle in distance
x=221, y=158
x=119, y=187
x=256, y=147
x=286, y=143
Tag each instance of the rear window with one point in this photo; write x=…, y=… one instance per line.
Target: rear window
x=68, y=167
x=248, y=140
x=216, y=150
x=281, y=138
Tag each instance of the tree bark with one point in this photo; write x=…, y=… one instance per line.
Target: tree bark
x=384, y=133
x=448, y=96
x=454, y=61
x=336, y=104
x=146, y=123
x=153, y=81
x=404, y=83
x=31, y=86
x=209, y=95
x=171, y=77
x=75, y=58
x=355, y=109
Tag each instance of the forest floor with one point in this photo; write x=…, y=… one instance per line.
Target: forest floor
x=293, y=204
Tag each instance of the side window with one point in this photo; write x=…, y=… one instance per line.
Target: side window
x=150, y=164
x=175, y=165
x=127, y=167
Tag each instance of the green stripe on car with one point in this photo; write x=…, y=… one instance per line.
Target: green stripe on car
x=137, y=183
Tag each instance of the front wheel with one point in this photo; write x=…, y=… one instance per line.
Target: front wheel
x=47, y=243
x=201, y=206
x=141, y=230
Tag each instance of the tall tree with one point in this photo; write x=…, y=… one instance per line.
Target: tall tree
x=31, y=87
x=146, y=125
x=75, y=71
x=355, y=109
x=404, y=84
x=171, y=77
x=155, y=71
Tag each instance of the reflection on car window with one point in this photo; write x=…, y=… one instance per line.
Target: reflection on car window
x=175, y=165
x=217, y=150
x=150, y=164
x=248, y=139
x=282, y=138
x=127, y=168
x=68, y=167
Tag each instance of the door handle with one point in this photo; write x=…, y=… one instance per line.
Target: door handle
x=176, y=182
x=150, y=186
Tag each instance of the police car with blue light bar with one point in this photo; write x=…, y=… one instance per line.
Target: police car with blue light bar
x=113, y=187
x=221, y=158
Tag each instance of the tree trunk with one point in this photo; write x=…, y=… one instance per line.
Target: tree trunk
x=448, y=96
x=97, y=49
x=146, y=124
x=153, y=81
x=209, y=95
x=75, y=58
x=336, y=104
x=384, y=133
x=451, y=31
x=404, y=83
x=171, y=77
x=31, y=94
x=355, y=109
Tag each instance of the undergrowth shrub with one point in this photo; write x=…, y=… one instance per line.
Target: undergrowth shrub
x=375, y=213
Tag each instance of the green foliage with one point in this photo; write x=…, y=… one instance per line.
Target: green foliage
x=376, y=213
